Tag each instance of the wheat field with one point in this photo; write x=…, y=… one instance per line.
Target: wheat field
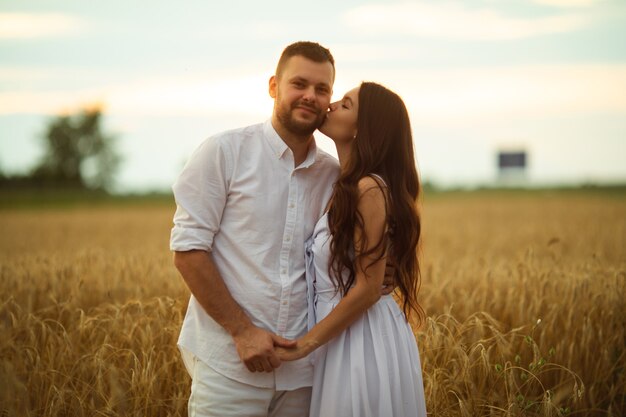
x=524, y=295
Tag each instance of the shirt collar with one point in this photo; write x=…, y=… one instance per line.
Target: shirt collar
x=311, y=156
x=279, y=147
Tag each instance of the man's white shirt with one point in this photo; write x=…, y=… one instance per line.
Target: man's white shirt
x=241, y=198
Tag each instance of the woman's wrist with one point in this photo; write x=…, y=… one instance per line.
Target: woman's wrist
x=308, y=344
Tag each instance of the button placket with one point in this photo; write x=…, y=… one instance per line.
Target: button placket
x=290, y=225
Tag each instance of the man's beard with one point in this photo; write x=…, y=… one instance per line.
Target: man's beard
x=299, y=128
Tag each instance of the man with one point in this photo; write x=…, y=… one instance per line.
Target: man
x=246, y=202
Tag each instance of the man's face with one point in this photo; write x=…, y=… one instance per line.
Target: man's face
x=302, y=94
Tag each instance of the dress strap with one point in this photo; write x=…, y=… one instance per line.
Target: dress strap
x=379, y=177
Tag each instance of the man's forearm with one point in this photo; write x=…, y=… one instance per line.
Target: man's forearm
x=207, y=286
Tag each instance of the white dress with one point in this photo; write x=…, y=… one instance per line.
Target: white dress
x=372, y=368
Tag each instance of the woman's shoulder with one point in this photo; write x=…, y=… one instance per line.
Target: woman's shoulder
x=372, y=188
x=372, y=182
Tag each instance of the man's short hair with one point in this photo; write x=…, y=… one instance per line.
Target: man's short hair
x=310, y=50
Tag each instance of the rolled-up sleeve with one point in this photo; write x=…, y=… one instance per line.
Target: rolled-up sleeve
x=200, y=193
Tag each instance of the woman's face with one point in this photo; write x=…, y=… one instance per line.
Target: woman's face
x=340, y=122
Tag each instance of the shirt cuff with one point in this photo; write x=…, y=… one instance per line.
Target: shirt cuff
x=185, y=238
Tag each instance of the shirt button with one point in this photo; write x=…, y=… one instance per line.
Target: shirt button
x=287, y=239
x=291, y=205
x=283, y=271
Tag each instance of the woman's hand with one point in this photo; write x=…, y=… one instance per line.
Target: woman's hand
x=302, y=348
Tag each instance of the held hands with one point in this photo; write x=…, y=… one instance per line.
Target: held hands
x=257, y=348
x=262, y=351
x=305, y=345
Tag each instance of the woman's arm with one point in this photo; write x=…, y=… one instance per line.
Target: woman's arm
x=369, y=274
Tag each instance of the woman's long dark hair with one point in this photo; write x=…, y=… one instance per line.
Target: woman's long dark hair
x=383, y=146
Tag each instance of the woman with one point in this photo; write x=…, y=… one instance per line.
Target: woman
x=367, y=363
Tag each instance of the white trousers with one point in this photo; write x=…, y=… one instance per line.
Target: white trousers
x=214, y=395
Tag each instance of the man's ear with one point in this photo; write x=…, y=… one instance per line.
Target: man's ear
x=272, y=86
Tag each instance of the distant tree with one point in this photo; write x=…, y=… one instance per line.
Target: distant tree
x=78, y=153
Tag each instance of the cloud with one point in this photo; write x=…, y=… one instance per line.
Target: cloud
x=568, y=3
x=194, y=95
x=31, y=26
x=476, y=95
x=17, y=74
x=454, y=21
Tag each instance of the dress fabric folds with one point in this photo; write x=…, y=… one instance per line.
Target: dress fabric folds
x=373, y=368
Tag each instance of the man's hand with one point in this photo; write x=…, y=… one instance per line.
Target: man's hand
x=389, y=282
x=255, y=347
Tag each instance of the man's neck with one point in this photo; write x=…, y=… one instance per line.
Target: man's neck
x=299, y=145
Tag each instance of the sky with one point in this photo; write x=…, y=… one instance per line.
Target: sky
x=477, y=76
